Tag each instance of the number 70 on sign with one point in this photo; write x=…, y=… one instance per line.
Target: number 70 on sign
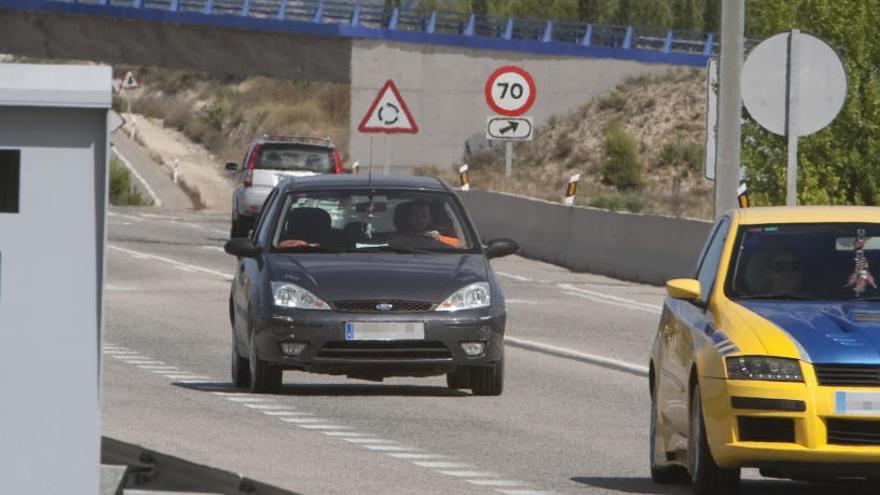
x=510, y=91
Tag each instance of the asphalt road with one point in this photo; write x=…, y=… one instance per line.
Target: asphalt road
x=562, y=425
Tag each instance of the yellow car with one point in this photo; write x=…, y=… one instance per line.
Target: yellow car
x=770, y=356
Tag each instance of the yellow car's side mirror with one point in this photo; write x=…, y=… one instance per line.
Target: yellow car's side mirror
x=684, y=288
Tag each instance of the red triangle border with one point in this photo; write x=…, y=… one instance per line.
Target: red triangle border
x=389, y=84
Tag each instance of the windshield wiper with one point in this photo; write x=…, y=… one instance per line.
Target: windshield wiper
x=392, y=249
x=314, y=248
x=778, y=297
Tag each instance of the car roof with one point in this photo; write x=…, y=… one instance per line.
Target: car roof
x=808, y=214
x=360, y=181
x=295, y=140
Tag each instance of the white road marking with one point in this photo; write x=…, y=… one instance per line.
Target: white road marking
x=345, y=434
x=392, y=448
x=326, y=427
x=515, y=277
x=157, y=369
x=156, y=201
x=367, y=440
x=264, y=407
x=214, y=248
x=224, y=276
x=469, y=474
x=121, y=215
x=115, y=288
x=188, y=377
x=184, y=268
x=248, y=399
x=442, y=465
x=583, y=357
x=303, y=420
x=286, y=413
x=407, y=455
x=601, y=297
x=520, y=301
x=143, y=362
x=191, y=379
x=495, y=482
x=525, y=492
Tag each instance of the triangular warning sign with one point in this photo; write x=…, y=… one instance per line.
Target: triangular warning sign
x=389, y=113
x=128, y=81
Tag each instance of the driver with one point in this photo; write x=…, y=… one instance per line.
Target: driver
x=785, y=273
x=414, y=218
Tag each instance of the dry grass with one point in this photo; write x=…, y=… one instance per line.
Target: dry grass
x=660, y=112
x=223, y=113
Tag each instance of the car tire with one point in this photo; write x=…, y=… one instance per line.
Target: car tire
x=488, y=380
x=706, y=476
x=241, y=226
x=240, y=368
x=666, y=475
x=264, y=378
x=460, y=378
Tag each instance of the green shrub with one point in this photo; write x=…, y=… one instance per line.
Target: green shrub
x=686, y=156
x=621, y=166
x=618, y=202
x=564, y=147
x=122, y=191
x=612, y=101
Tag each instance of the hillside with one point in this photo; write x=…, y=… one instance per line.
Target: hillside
x=663, y=115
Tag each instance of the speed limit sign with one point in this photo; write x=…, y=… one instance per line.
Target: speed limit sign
x=510, y=91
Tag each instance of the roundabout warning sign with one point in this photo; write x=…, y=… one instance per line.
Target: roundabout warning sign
x=389, y=114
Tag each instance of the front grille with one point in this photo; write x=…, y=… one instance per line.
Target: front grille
x=752, y=429
x=382, y=350
x=848, y=375
x=853, y=432
x=371, y=306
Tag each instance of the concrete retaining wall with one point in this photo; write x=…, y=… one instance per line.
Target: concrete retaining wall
x=443, y=88
x=641, y=248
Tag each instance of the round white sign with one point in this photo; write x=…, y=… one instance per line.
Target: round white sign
x=510, y=91
x=818, y=74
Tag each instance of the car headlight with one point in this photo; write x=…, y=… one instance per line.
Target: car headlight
x=764, y=368
x=287, y=295
x=469, y=297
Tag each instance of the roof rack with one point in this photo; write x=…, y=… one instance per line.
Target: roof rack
x=325, y=141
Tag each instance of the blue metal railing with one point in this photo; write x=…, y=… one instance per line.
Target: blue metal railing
x=420, y=25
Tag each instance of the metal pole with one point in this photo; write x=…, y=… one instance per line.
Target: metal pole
x=791, y=116
x=387, y=157
x=729, y=105
x=508, y=159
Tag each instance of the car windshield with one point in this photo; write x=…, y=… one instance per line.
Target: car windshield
x=805, y=262
x=295, y=157
x=372, y=220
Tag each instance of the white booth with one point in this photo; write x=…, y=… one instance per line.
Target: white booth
x=53, y=196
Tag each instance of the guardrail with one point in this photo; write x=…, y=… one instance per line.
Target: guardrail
x=642, y=248
x=374, y=21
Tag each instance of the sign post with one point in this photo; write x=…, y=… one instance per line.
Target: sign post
x=777, y=78
x=510, y=92
x=388, y=114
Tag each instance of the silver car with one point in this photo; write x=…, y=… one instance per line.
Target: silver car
x=270, y=159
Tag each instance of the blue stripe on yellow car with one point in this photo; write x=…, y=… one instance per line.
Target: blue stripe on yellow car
x=827, y=332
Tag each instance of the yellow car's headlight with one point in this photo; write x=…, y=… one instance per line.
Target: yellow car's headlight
x=764, y=368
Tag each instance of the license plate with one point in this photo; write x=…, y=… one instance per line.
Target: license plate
x=384, y=330
x=857, y=403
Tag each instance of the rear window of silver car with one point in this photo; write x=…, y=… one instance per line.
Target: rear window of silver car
x=292, y=158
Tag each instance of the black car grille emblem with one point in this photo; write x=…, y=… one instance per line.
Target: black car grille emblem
x=384, y=307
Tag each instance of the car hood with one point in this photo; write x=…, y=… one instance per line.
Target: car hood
x=827, y=332
x=380, y=276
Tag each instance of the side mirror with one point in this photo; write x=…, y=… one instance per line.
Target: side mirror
x=684, y=288
x=242, y=247
x=501, y=247
x=231, y=166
